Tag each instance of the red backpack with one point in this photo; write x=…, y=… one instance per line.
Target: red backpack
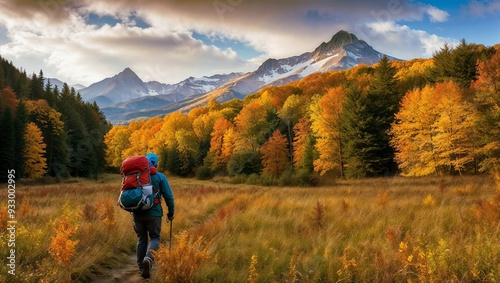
x=137, y=192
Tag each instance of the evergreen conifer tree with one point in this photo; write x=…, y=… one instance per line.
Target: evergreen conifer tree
x=442, y=65
x=7, y=142
x=383, y=103
x=358, y=142
x=37, y=86
x=20, y=122
x=464, y=66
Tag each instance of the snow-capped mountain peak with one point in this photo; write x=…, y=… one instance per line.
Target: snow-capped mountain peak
x=338, y=41
x=125, y=96
x=124, y=86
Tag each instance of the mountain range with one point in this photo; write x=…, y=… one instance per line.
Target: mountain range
x=125, y=96
x=56, y=82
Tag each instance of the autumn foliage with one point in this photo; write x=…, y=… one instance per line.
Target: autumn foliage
x=34, y=152
x=62, y=246
x=438, y=123
x=181, y=262
x=275, y=154
x=47, y=130
x=437, y=116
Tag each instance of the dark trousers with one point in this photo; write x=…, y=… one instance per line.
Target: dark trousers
x=145, y=228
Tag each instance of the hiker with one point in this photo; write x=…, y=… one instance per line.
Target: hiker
x=149, y=221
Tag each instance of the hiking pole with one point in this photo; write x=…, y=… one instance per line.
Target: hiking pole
x=171, y=234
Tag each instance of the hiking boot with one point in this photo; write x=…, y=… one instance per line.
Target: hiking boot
x=146, y=267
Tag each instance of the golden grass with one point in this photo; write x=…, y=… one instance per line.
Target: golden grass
x=373, y=230
x=181, y=263
x=67, y=232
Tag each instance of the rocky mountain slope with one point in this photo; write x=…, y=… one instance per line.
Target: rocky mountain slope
x=125, y=96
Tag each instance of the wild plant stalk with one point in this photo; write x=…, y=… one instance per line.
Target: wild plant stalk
x=318, y=215
x=292, y=273
x=185, y=258
x=252, y=274
x=62, y=247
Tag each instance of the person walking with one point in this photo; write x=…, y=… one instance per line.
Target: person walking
x=147, y=223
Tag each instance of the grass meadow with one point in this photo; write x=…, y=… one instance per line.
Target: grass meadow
x=373, y=230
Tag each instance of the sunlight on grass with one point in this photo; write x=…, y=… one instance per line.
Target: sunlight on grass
x=379, y=230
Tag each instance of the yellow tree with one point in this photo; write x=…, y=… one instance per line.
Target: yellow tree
x=274, y=95
x=137, y=144
x=171, y=124
x=218, y=135
x=434, y=131
x=141, y=136
x=155, y=126
x=293, y=109
x=34, y=152
x=176, y=141
x=302, y=132
x=228, y=144
x=49, y=121
x=187, y=146
x=45, y=116
x=325, y=115
x=117, y=141
x=203, y=126
x=197, y=112
x=275, y=154
x=455, y=133
x=413, y=73
x=251, y=125
x=413, y=134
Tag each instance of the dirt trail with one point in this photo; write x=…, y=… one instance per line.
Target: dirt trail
x=128, y=273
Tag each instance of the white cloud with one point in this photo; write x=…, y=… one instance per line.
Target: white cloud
x=68, y=47
x=436, y=15
x=403, y=42
x=483, y=8
x=80, y=53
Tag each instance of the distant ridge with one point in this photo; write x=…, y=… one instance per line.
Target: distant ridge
x=124, y=86
x=343, y=51
x=56, y=82
x=125, y=96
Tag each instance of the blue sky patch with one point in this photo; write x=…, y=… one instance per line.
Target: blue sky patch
x=3, y=35
x=139, y=22
x=244, y=50
x=317, y=17
x=94, y=19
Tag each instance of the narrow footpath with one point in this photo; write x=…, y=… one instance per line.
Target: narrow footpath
x=128, y=273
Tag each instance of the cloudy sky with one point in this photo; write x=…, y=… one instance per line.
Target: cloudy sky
x=85, y=41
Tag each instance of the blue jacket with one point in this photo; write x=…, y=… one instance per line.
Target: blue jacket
x=159, y=182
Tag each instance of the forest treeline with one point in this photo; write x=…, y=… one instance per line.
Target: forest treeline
x=47, y=131
x=437, y=116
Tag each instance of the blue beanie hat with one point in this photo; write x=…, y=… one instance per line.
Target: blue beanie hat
x=153, y=159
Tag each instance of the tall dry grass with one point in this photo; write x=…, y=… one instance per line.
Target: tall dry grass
x=376, y=230
x=179, y=264
x=68, y=232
